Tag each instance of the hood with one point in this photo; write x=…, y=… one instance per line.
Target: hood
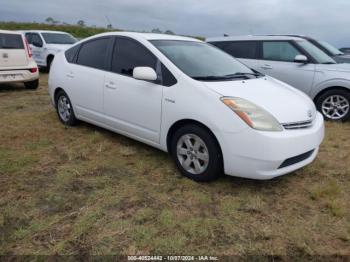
x=284, y=102
x=57, y=47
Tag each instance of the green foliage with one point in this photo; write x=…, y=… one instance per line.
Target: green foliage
x=79, y=30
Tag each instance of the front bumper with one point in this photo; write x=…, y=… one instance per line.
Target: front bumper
x=14, y=76
x=261, y=155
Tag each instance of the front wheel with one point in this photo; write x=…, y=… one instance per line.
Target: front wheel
x=65, y=109
x=334, y=105
x=196, y=153
x=32, y=84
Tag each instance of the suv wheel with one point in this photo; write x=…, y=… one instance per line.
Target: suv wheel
x=65, y=109
x=32, y=84
x=334, y=105
x=196, y=153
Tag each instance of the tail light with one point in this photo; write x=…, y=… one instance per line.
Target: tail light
x=33, y=70
x=29, y=50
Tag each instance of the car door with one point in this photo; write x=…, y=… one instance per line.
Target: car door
x=130, y=105
x=85, y=78
x=277, y=60
x=37, y=45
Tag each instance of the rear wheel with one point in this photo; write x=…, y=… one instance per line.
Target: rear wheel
x=334, y=105
x=32, y=84
x=196, y=153
x=65, y=109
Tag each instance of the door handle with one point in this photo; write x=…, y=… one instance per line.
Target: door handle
x=266, y=67
x=111, y=85
x=70, y=75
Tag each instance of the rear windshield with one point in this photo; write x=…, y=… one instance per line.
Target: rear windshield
x=11, y=41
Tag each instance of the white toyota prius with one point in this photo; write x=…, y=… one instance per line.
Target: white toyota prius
x=213, y=114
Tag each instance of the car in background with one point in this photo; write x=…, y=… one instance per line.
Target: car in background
x=208, y=110
x=329, y=49
x=345, y=50
x=16, y=61
x=299, y=63
x=46, y=44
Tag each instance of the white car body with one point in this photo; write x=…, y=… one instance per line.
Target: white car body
x=147, y=111
x=16, y=62
x=43, y=55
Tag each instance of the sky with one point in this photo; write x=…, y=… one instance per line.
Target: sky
x=321, y=19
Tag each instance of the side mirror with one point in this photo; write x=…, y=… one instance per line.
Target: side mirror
x=37, y=44
x=144, y=73
x=301, y=59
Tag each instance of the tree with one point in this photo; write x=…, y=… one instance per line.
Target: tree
x=156, y=31
x=109, y=26
x=169, y=32
x=81, y=23
x=50, y=20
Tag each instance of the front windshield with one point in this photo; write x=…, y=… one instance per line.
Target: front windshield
x=57, y=38
x=202, y=61
x=330, y=48
x=320, y=56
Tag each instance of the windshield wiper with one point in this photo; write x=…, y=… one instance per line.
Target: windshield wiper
x=243, y=74
x=209, y=78
x=328, y=63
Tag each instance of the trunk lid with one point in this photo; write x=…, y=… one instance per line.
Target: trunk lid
x=12, y=51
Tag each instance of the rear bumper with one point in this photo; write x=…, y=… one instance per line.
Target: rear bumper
x=265, y=155
x=22, y=75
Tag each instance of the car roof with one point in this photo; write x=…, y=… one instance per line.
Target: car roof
x=253, y=37
x=10, y=32
x=149, y=36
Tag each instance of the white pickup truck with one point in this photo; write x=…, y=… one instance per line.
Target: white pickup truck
x=46, y=44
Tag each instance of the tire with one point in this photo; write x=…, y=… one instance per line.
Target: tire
x=32, y=84
x=184, y=153
x=64, y=109
x=334, y=105
x=48, y=63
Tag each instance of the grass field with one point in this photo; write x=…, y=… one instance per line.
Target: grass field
x=85, y=190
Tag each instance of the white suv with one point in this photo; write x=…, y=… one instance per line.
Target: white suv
x=299, y=63
x=16, y=62
x=46, y=44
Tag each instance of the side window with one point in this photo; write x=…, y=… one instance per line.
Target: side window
x=279, y=51
x=36, y=39
x=220, y=45
x=71, y=53
x=246, y=49
x=128, y=54
x=167, y=77
x=94, y=53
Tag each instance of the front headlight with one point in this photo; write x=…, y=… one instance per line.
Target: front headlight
x=253, y=115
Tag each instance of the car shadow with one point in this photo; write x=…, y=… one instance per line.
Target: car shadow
x=237, y=181
x=15, y=87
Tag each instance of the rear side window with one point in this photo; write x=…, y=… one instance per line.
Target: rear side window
x=71, y=53
x=279, y=51
x=128, y=54
x=246, y=49
x=241, y=49
x=11, y=41
x=94, y=53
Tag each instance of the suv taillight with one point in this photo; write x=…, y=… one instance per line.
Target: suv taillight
x=29, y=50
